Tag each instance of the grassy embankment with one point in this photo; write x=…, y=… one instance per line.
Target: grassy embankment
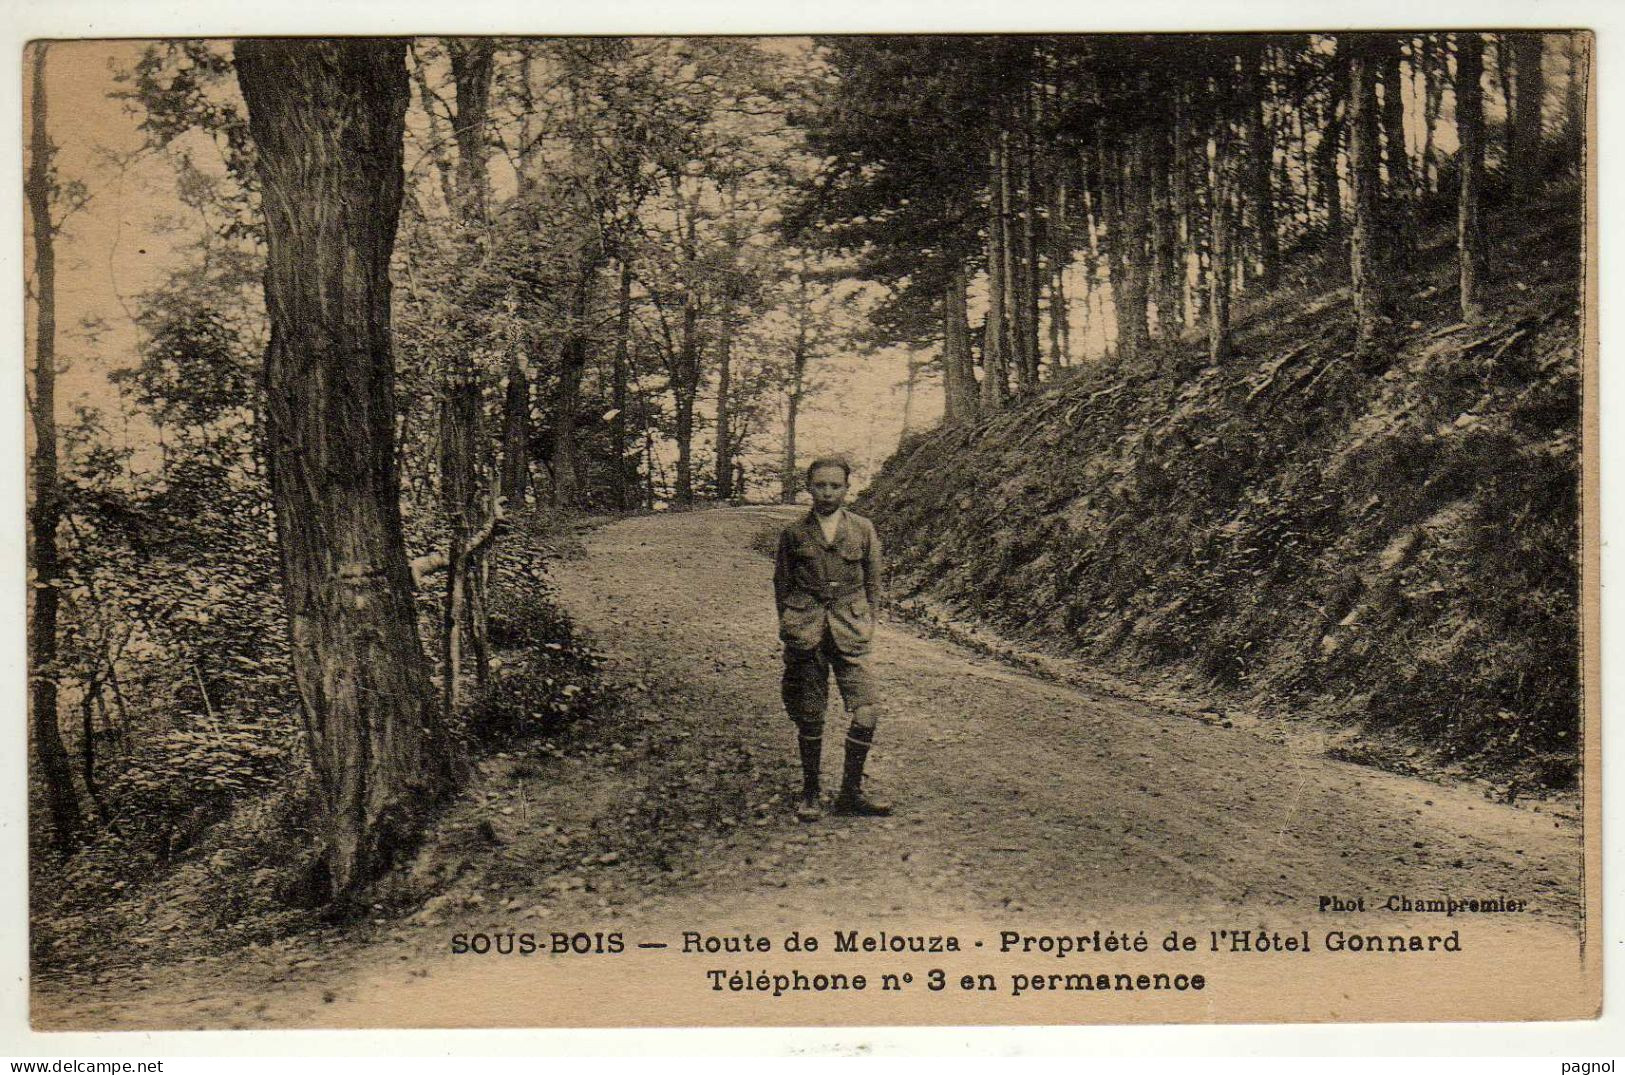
x=1388, y=544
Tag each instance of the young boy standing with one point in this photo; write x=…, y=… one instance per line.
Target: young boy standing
x=827, y=584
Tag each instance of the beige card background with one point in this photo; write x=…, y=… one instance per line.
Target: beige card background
x=1531, y=971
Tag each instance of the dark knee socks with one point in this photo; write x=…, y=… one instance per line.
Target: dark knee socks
x=812, y=747
x=859, y=739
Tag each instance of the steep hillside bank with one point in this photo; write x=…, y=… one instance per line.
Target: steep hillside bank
x=1391, y=544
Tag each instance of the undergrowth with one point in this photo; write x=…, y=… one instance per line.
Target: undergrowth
x=214, y=847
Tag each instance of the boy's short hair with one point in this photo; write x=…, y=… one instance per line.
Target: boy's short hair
x=829, y=461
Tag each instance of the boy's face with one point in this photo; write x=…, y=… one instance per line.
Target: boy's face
x=828, y=488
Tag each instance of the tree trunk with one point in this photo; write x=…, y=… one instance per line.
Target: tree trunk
x=646, y=420
x=618, y=388
x=567, y=392
x=471, y=75
x=909, y=379
x=61, y=800
x=958, y=379
x=1574, y=97
x=1531, y=97
x=1221, y=224
x=683, y=393
x=995, y=356
x=1170, y=283
x=1326, y=172
x=516, y=430
x=724, y=446
x=1433, y=80
x=89, y=700
x=1131, y=299
x=1261, y=154
x=1014, y=344
x=1401, y=189
x=1396, y=154
x=686, y=381
x=1028, y=262
x=1060, y=253
x=461, y=443
x=327, y=119
x=1094, y=262
x=460, y=496
x=1368, y=261
x=1187, y=230
x=790, y=468
x=530, y=139
x=1503, y=76
x=1470, y=158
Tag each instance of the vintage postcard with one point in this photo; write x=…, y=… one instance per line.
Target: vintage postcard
x=812, y=531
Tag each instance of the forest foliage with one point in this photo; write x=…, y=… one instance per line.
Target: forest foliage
x=1259, y=359
x=1331, y=465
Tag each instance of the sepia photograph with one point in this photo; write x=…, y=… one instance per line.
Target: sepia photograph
x=851, y=530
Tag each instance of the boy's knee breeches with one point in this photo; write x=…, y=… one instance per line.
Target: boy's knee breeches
x=806, y=682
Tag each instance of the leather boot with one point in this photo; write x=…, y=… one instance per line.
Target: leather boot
x=851, y=800
x=812, y=751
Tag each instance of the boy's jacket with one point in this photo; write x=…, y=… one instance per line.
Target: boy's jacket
x=834, y=587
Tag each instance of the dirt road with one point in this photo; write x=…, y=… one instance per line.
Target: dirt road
x=1035, y=795
x=1018, y=798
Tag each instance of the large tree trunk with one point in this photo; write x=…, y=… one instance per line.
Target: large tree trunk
x=327, y=118
x=1470, y=158
x=1526, y=120
x=61, y=800
x=1369, y=246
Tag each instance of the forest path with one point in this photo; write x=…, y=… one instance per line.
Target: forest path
x=1020, y=801
x=1018, y=793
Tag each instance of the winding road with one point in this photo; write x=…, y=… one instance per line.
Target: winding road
x=1019, y=799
